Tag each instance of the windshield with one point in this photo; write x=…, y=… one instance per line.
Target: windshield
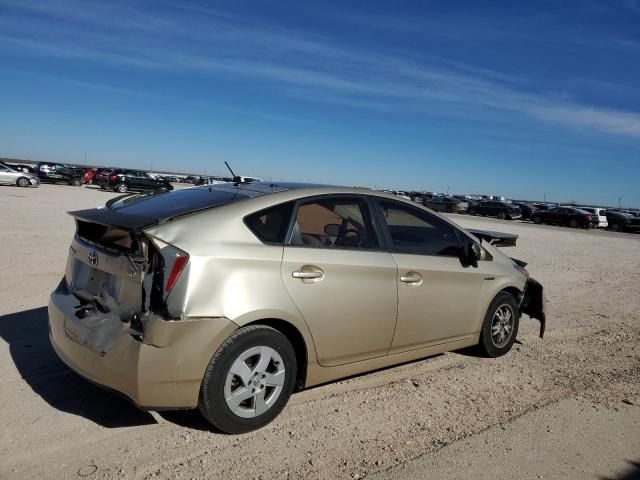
x=8, y=167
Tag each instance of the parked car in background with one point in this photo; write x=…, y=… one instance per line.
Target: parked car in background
x=496, y=208
x=600, y=214
x=102, y=177
x=89, y=176
x=619, y=221
x=446, y=204
x=527, y=210
x=49, y=172
x=124, y=180
x=216, y=297
x=568, y=216
x=9, y=176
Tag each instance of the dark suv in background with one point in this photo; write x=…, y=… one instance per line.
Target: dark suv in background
x=124, y=180
x=495, y=208
x=569, y=216
x=622, y=221
x=49, y=172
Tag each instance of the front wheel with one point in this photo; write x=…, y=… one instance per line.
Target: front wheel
x=76, y=182
x=500, y=326
x=23, y=182
x=249, y=380
x=501, y=216
x=122, y=188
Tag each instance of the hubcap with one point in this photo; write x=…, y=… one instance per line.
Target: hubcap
x=254, y=382
x=502, y=326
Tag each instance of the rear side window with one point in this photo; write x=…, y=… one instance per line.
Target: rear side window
x=414, y=231
x=334, y=223
x=271, y=225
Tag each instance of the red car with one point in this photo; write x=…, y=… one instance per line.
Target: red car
x=89, y=176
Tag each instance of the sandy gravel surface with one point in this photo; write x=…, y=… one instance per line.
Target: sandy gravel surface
x=55, y=425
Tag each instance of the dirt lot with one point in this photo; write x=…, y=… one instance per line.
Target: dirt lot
x=55, y=425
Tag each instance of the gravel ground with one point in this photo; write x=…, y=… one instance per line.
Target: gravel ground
x=55, y=425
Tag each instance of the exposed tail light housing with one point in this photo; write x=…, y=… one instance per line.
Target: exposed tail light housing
x=114, y=177
x=176, y=269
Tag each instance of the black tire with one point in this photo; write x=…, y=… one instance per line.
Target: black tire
x=500, y=216
x=488, y=345
x=122, y=188
x=212, y=403
x=616, y=227
x=76, y=182
x=537, y=220
x=471, y=211
x=573, y=223
x=23, y=182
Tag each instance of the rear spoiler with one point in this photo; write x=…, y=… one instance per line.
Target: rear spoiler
x=497, y=239
x=113, y=218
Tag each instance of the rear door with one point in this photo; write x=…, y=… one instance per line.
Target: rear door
x=438, y=296
x=342, y=282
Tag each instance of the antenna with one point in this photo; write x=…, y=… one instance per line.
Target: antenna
x=232, y=174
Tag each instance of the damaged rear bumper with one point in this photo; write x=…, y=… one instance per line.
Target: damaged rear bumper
x=160, y=368
x=534, y=303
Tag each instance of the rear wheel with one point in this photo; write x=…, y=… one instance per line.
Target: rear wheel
x=573, y=223
x=249, y=380
x=23, y=182
x=537, y=220
x=76, y=182
x=500, y=326
x=616, y=227
x=501, y=215
x=122, y=188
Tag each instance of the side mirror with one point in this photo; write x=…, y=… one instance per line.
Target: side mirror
x=475, y=251
x=332, y=229
x=472, y=255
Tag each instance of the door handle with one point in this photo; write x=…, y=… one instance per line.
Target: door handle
x=411, y=277
x=299, y=274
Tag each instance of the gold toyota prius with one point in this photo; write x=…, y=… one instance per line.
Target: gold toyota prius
x=228, y=298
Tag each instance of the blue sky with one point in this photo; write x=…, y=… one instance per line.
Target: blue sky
x=525, y=99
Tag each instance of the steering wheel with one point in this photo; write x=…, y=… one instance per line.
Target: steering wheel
x=349, y=237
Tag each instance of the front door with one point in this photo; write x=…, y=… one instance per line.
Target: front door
x=438, y=294
x=342, y=283
x=7, y=176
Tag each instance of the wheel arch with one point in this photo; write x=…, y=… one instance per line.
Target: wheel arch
x=298, y=343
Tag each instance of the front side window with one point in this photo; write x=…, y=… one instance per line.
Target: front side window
x=334, y=223
x=271, y=225
x=414, y=231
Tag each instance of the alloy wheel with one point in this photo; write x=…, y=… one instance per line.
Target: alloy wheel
x=254, y=382
x=502, y=326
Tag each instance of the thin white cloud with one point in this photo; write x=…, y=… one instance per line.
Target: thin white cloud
x=301, y=64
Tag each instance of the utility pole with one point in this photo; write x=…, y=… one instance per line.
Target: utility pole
x=619, y=202
x=85, y=159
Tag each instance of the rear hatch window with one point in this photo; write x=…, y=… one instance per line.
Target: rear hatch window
x=167, y=205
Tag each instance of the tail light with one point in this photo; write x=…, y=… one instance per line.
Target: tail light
x=589, y=217
x=178, y=265
x=114, y=177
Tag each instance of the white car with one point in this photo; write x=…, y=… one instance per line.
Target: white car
x=9, y=176
x=600, y=214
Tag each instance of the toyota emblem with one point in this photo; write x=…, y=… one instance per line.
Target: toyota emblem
x=93, y=258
